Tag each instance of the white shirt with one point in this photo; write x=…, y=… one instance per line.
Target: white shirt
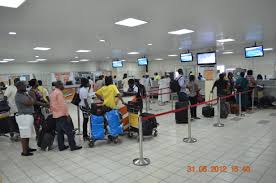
x=10, y=93
x=84, y=94
x=125, y=84
x=181, y=82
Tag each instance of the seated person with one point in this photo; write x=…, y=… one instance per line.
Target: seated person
x=109, y=94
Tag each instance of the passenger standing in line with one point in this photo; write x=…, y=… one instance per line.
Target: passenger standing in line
x=125, y=82
x=24, y=117
x=157, y=77
x=9, y=96
x=242, y=86
x=200, y=77
x=38, y=103
x=221, y=84
x=194, y=90
x=99, y=83
x=115, y=81
x=63, y=120
x=252, y=85
x=91, y=84
x=85, y=104
x=231, y=87
x=182, y=96
x=147, y=84
x=43, y=91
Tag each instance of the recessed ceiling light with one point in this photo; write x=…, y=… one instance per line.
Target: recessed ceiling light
x=227, y=52
x=36, y=56
x=42, y=48
x=84, y=60
x=133, y=53
x=74, y=61
x=83, y=51
x=172, y=55
x=268, y=49
x=41, y=59
x=131, y=22
x=180, y=32
x=225, y=40
x=149, y=44
x=123, y=60
x=33, y=61
x=12, y=33
x=102, y=40
x=107, y=57
x=11, y=3
x=4, y=61
x=159, y=59
x=76, y=57
x=8, y=59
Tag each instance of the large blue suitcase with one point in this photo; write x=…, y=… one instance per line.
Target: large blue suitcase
x=113, y=120
x=97, y=127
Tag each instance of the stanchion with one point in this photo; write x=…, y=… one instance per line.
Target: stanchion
x=78, y=113
x=189, y=139
x=141, y=161
x=240, y=104
x=252, y=98
x=218, y=124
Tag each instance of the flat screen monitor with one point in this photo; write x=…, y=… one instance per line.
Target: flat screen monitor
x=186, y=57
x=256, y=51
x=208, y=58
x=142, y=61
x=117, y=64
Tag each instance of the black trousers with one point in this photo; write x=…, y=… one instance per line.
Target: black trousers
x=193, y=100
x=63, y=126
x=84, y=124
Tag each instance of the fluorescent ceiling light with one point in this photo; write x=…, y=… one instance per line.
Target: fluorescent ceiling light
x=74, y=61
x=227, y=52
x=172, y=55
x=33, y=61
x=123, y=60
x=268, y=49
x=83, y=51
x=131, y=22
x=159, y=59
x=12, y=33
x=8, y=59
x=36, y=56
x=4, y=61
x=225, y=40
x=41, y=59
x=149, y=44
x=180, y=32
x=133, y=53
x=42, y=48
x=102, y=40
x=84, y=60
x=11, y=3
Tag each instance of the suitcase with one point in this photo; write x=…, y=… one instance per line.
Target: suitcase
x=114, y=123
x=97, y=127
x=149, y=126
x=182, y=116
x=234, y=109
x=208, y=111
x=47, y=133
x=224, y=109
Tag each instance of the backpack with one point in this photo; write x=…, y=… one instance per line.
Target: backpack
x=174, y=85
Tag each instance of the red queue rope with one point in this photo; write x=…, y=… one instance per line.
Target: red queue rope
x=192, y=106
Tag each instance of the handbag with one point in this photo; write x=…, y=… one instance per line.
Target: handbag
x=76, y=99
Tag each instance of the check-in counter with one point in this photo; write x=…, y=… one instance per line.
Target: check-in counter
x=269, y=87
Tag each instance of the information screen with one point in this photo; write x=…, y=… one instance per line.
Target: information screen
x=117, y=64
x=206, y=58
x=251, y=52
x=142, y=61
x=186, y=57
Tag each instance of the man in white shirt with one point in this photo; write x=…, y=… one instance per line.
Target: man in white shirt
x=9, y=96
x=182, y=96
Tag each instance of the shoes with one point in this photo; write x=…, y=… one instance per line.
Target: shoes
x=197, y=118
x=27, y=154
x=76, y=148
x=86, y=138
x=31, y=150
x=64, y=148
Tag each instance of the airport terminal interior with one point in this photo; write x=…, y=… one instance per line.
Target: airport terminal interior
x=137, y=91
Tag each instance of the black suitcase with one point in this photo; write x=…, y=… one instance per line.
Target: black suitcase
x=182, y=116
x=149, y=125
x=47, y=133
x=208, y=111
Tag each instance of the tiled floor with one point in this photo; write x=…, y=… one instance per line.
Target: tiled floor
x=239, y=143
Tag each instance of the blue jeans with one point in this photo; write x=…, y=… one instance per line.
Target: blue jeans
x=64, y=126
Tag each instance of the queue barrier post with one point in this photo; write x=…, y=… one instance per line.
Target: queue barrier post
x=141, y=161
x=240, y=104
x=219, y=124
x=147, y=103
x=189, y=139
x=252, y=98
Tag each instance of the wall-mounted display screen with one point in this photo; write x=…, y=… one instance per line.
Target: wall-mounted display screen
x=117, y=64
x=208, y=58
x=142, y=61
x=186, y=57
x=256, y=51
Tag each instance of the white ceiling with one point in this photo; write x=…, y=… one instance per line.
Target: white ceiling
x=70, y=25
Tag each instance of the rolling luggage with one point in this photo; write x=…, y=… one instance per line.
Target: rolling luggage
x=208, y=111
x=114, y=123
x=47, y=133
x=97, y=127
x=234, y=109
x=182, y=116
x=149, y=126
x=224, y=109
